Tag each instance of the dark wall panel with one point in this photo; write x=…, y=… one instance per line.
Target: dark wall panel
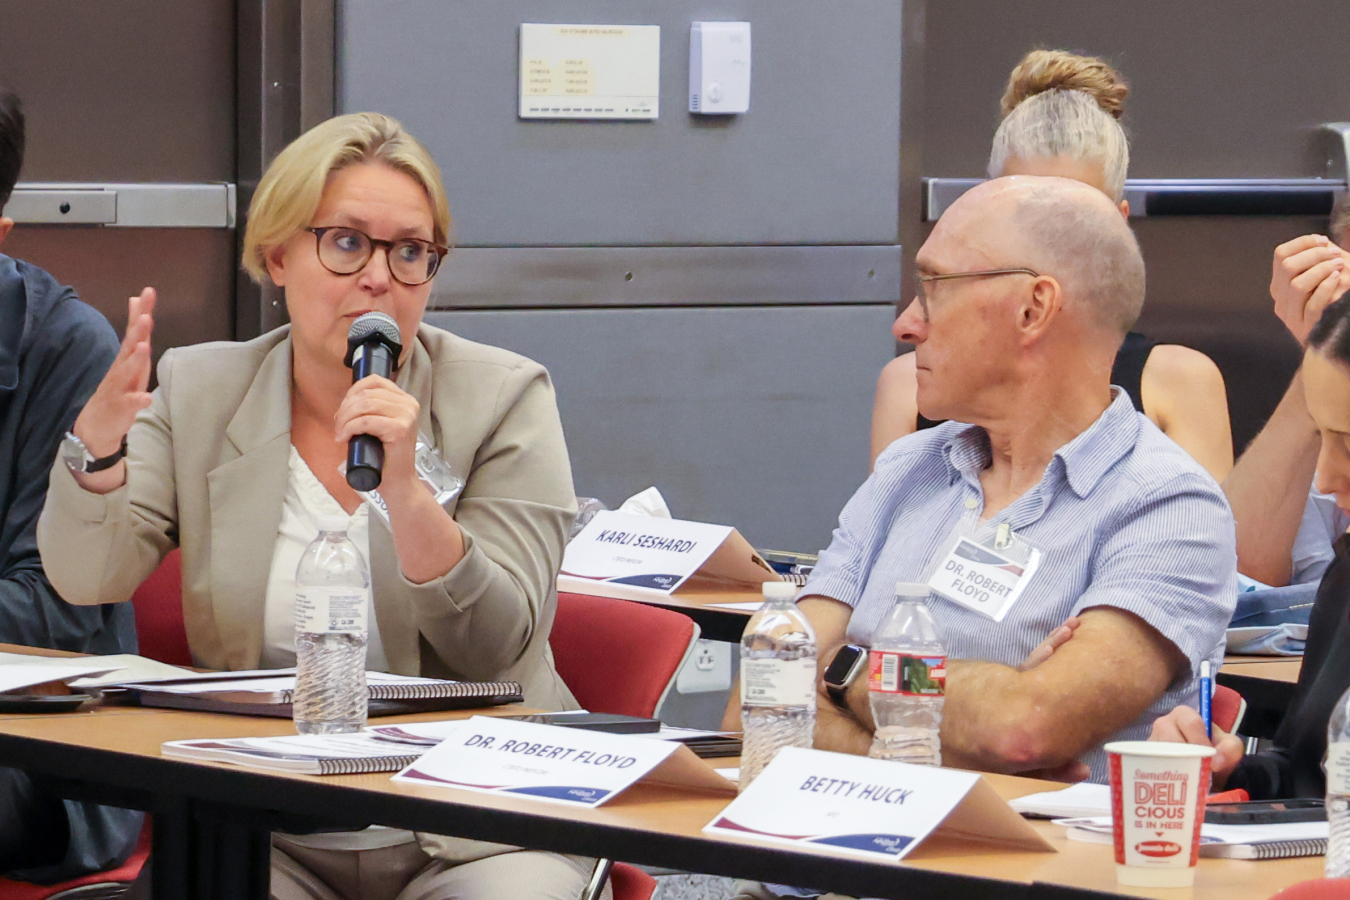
x=123, y=90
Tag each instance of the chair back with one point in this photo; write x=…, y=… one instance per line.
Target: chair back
x=1227, y=708
x=619, y=657
x=160, y=631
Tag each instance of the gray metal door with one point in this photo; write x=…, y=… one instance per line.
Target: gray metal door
x=713, y=295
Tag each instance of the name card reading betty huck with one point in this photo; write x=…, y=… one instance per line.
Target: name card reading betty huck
x=640, y=557
x=835, y=804
x=560, y=765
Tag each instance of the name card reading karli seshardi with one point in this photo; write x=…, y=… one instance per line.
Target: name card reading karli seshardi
x=559, y=765
x=835, y=804
x=636, y=557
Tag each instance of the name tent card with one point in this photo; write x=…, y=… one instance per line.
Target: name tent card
x=643, y=557
x=835, y=804
x=555, y=764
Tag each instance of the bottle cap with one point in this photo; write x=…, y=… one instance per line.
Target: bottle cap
x=780, y=590
x=911, y=589
x=334, y=523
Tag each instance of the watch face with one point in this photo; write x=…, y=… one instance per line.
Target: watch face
x=844, y=664
x=74, y=454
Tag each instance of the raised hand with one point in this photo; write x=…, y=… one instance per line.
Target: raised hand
x=122, y=393
x=1307, y=274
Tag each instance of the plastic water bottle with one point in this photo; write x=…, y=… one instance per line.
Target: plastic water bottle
x=332, y=605
x=1338, y=789
x=778, y=680
x=908, y=672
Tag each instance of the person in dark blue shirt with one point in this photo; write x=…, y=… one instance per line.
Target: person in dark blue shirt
x=53, y=352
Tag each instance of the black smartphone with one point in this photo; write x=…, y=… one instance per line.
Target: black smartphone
x=1267, y=812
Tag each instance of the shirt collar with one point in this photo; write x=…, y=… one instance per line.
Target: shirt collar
x=1084, y=460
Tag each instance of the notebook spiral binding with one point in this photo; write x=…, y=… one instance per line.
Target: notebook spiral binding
x=443, y=689
x=1283, y=849
x=365, y=766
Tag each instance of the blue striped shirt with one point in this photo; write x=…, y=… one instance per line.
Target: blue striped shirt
x=1123, y=517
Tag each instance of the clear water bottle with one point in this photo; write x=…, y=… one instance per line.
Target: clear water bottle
x=778, y=680
x=332, y=606
x=908, y=673
x=1338, y=789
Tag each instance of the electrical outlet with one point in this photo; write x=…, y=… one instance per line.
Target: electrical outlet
x=708, y=668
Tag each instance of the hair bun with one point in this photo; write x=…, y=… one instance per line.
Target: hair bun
x=1048, y=70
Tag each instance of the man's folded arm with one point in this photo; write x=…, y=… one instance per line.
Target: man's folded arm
x=998, y=719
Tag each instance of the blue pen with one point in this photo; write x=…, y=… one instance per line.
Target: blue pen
x=1206, y=692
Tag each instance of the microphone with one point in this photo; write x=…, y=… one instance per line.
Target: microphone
x=373, y=348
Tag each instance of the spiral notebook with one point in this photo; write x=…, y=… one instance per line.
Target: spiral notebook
x=268, y=692
x=1276, y=841
x=308, y=754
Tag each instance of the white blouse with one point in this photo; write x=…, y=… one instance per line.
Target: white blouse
x=306, y=500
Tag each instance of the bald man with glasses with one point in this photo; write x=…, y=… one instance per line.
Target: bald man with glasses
x=1122, y=544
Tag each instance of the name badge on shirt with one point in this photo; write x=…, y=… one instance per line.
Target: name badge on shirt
x=984, y=579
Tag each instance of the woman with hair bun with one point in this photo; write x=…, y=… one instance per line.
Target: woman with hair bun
x=1060, y=117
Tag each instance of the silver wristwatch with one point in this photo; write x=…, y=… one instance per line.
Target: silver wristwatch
x=79, y=460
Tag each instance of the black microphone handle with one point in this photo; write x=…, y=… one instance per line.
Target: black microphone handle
x=365, y=453
x=365, y=462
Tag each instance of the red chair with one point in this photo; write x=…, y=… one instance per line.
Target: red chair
x=159, y=614
x=99, y=886
x=1317, y=889
x=620, y=657
x=1227, y=708
x=631, y=883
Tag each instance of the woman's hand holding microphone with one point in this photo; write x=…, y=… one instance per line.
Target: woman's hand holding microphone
x=123, y=392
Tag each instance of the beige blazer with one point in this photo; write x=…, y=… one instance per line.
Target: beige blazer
x=207, y=471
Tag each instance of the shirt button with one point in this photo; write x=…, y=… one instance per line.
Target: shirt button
x=971, y=503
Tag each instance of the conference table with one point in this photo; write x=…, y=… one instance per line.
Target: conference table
x=212, y=821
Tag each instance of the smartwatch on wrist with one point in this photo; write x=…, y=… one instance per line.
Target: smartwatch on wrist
x=80, y=461
x=849, y=662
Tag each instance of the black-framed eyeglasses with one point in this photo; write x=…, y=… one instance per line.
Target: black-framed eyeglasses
x=345, y=251
x=925, y=280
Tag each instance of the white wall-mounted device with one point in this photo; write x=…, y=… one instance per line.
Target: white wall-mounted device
x=719, y=68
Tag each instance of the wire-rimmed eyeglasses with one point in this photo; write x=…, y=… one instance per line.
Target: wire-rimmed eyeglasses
x=924, y=280
x=345, y=251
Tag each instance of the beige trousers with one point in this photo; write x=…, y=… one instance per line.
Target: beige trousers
x=406, y=872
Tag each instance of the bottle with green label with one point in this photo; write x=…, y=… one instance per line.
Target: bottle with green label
x=907, y=680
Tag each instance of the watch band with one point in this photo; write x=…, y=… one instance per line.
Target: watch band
x=109, y=461
x=838, y=695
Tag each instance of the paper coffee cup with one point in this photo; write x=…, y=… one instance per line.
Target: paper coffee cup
x=1158, y=792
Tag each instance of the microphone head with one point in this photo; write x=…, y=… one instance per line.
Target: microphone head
x=374, y=326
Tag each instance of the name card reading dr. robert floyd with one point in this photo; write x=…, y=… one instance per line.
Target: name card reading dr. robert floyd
x=559, y=765
x=834, y=804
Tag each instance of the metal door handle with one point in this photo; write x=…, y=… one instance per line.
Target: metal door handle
x=123, y=205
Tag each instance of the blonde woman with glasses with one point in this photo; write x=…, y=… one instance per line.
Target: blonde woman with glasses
x=235, y=456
